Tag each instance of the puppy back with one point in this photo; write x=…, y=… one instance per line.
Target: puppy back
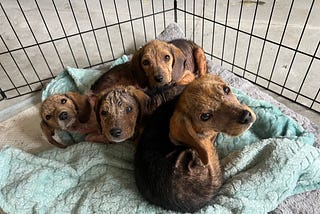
x=168, y=175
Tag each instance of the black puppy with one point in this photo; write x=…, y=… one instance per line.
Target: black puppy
x=176, y=163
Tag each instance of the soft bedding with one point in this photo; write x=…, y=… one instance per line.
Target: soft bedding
x=275, y=159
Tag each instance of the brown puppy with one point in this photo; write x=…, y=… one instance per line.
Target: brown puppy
x=122, y=74
x=176, y=163
x=155, y=65
x=122, y=111
x=118, y=110
x=159, y=63
x=71, y=112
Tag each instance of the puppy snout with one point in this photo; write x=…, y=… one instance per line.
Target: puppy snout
x=115, y=132
x=245, y=117
x=158, y=78
x=63, y=115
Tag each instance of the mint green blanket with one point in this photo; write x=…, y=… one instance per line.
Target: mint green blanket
x=273, y=160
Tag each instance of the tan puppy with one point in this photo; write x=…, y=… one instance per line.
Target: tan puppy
x=122, y=111
x=156, y=61
x=214, y=109
x=176, y=163
x=159, y=63
x=71, y=112
x=118, y=110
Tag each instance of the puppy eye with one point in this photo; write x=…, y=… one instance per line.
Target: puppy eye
x=63, y=101
x=205, y=116
x=166, y=58
x=226, y=90
x=104, y=113
x=129, y=109
x=145, y=62
x=48, y=117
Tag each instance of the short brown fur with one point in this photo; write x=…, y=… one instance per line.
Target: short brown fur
x=156, y=64
x=126, y=109
x=207, y=96
x=176, y=62
x=71, y=112
x=176, y=162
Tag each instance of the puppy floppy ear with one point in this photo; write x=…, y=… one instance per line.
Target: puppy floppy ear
x=82, y=104
x=97, y=107
x=137, y=69
x=182, y=132
x=201, y=61
x=142, y=98
x=179, y=60
x=49, y=132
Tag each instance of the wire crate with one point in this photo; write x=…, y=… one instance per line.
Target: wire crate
x=274, y=44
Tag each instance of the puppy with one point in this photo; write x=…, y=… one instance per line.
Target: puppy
x=176, y=163
x=159, y=63
x=156, y=64
x=121, y=74
x=71, y=112
x=122, y=111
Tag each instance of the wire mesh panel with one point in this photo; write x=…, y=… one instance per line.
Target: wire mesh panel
x=274, y=44
x=40, y=38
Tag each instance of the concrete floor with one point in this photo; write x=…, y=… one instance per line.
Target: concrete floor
x=91, y=48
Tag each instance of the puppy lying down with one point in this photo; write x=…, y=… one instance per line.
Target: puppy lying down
x=71, y=112
x=176, y=163
x=122, y=111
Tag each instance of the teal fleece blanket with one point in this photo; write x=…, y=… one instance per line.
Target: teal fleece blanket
x=273, y=160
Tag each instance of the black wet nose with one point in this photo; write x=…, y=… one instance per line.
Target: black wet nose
x=245, y=117
x=158, y=78
x=115, y=132
x=63, y=115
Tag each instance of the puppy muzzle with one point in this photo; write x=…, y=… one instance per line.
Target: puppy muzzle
x=246, y=117
x=158, y=78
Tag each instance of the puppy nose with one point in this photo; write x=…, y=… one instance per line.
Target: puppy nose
x=115, y=132
x=245, y=117
x=158, y=78
x=63, y=115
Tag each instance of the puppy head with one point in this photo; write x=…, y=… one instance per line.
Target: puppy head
x=206, y=107
x=118, y=110
x=61, y=111
x=158, y=63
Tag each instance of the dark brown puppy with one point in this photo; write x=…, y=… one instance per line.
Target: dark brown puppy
x=122, y=111
x=122, y=74
x=71, y=112
x=176, y=163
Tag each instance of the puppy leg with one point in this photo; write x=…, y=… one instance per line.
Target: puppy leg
x=187, y=78
x=201, y=61
x=49, y=132
x=96, y=138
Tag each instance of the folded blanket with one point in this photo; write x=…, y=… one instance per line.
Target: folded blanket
x=270, y=162
x=96, y=178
